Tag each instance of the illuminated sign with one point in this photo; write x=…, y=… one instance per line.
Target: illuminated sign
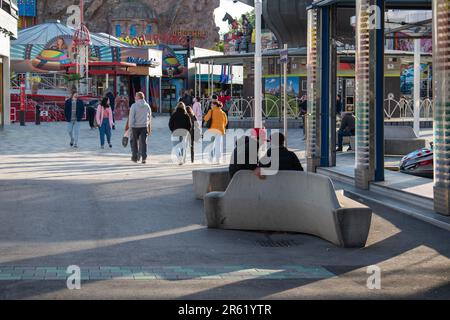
x=175, y=38
x=143, y=62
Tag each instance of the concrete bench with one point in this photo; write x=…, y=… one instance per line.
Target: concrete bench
x=208, y=180
x=398, y=140
x=401, y=140
x=289, y=202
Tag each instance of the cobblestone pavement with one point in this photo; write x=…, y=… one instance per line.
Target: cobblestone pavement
x=137, y=231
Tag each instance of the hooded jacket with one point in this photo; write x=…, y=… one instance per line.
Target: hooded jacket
x=140, y=115
x=219, y=120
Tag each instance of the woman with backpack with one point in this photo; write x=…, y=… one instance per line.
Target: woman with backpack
x=217, y=122
x=180, y=125
x=196, y=131
x=104, y=118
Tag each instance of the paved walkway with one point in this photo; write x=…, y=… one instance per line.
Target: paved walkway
x=137, y=232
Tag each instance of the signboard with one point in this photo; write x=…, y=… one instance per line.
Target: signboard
x=148, y=61
x=284, y=56
x=22, y=93
x=176, y=38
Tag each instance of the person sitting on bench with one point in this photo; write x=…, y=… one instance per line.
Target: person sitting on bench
x=288, y=160
x=241, y=158
x=347, y=129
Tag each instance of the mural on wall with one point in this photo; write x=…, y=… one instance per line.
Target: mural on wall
x=272, y=87
x=404, y=44
x=407, y=78
x=171, y=59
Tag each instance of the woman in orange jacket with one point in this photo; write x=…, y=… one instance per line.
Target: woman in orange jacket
x=219, y=121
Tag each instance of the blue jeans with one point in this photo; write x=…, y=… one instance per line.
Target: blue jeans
x=73, y=129
x=341, y=135
x=105, y=129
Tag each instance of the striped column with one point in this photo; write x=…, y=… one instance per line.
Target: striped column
x=362, y=95
x=441, y=70
x=312, y=148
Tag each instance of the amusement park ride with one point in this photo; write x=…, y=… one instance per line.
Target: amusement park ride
x=81, y=41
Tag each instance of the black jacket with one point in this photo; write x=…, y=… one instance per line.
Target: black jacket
x=180, y=120
x=348, y=124
x=236, y=165
x=68, y=110
x=288, y=160
x=187, y=100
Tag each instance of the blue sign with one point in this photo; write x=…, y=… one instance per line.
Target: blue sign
x=27, y=8
x=142, y=62
x=284, y=56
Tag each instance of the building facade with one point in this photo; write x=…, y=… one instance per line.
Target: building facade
x=8, y=30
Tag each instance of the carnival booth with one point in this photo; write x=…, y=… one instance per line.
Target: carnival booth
x=45, y=57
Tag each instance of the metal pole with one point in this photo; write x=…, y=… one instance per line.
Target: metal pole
x=417, y=43
x=285, y=114
x=258, y=66
x=231, y=80
x=160, y=95
x=195, y=80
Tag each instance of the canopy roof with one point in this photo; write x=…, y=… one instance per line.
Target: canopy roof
x=42, y=34
x=390, y=4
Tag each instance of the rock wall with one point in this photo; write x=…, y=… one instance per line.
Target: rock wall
x=171, y=14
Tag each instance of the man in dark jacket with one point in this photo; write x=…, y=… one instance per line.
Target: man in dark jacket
x=244, y=156
x=187, y=99
x=287, y=160
x=73, y=113
x=347, y=129
x=180, y=124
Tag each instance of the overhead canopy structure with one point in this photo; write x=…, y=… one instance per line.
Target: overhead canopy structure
x=389, y=4
x=48, y=48
x=44, y=33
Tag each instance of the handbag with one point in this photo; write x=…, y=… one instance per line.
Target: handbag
x=125, y=138
x=209, y=122
x=96, y=124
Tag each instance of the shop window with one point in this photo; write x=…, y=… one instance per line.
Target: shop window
x=133, y=32
x=118, y=30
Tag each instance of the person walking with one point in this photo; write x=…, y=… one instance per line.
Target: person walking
x=196, y=131
x=219, y=121
x=112, y=104
x=140, y=121
x=197, y=109
x=104, y=118
x=303, y=106
x=186, y=98
x=347, y=129
x=180, y=125
x=73, y=113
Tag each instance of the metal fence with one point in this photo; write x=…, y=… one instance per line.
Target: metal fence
x=242, y=108
x=403, y=109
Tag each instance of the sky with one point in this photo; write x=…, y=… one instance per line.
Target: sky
x=235, y=9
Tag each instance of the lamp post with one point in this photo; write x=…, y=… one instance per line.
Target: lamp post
x=170, y=74
x=258, y=66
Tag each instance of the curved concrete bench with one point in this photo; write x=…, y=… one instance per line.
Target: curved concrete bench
x=289, y=202
x=401, y=140
x=398, y=140
x=209, y=180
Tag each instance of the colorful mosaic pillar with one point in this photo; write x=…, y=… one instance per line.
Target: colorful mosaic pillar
x=363, y=171
x=313, y=120
x=441, y=69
